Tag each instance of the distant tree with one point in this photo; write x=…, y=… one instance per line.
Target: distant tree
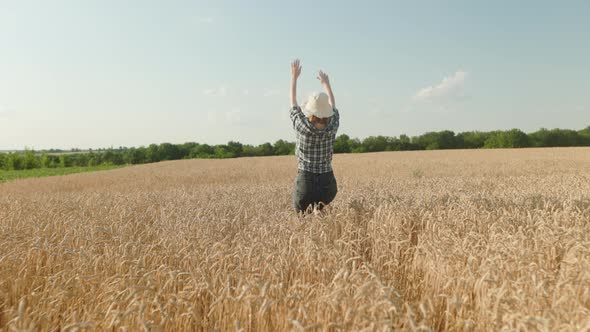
x=64, y=160
x=471, y=139
x=49, y=161
x=375, y=144
x=405, y=143
x=282, y=147
x=13, y=161
x=80, y=159
x=203, y=151
x=140, y=155
x=584, y=136
x=436, y=140
x=515, y=138
x=393, y=144
x=30, y=161
x=342, y=144
x=266, y=149
x=356, y=146
x=153, y=153
x=108, y=157
x=445, y=139
x=135, y=155
x=507, y=139
x=555, y=137
x=112, y=157
x=236, y=148
x=186, y=149
x=45, y=160
x=566, y=137
x=223, y=151
x=250, y=151
x=169, y=151
x=540, y=138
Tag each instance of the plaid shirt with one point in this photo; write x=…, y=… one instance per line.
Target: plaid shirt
x=314, y=147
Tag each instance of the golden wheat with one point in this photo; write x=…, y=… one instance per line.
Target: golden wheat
x=430, y=240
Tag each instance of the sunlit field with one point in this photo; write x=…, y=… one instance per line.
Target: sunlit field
x=432, y=240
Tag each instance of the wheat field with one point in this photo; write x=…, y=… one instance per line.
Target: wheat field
x=427, y=240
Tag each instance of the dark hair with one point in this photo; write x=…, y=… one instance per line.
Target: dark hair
x=323, y=121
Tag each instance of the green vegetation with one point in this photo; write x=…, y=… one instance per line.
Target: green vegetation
x=514, y=138
x=41, y=172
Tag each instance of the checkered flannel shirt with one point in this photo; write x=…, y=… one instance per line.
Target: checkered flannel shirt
x=314, y=147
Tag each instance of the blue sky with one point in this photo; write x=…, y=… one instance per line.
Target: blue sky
x=129, y=73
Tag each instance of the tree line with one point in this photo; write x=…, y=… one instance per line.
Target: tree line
x=445, y=139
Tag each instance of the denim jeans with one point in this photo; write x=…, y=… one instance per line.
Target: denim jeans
x=313, y=189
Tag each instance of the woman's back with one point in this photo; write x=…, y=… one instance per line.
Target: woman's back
x=314, y=147
x=315, y=128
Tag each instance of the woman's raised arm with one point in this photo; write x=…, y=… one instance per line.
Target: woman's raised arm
x=295, y=72
x=325, y=82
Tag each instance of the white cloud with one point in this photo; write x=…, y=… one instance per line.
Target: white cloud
x=216, y=92
x=450, y=88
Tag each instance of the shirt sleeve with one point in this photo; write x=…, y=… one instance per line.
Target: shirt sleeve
x=335, y=119
x=298, y=120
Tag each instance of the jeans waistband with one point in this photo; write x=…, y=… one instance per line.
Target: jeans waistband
x=301, y=171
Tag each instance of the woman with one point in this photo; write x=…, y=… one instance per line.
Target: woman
x=315, y=127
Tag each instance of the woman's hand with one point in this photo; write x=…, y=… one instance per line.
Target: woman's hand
x=325, y=82
x=295, y=69
x=323, y=77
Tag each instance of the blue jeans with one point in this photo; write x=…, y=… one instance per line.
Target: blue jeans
x=313, y=189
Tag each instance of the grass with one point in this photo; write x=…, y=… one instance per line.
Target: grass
x=484, y=240
x=42, y=172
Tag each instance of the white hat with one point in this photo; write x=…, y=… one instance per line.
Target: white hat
x=318, y=105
